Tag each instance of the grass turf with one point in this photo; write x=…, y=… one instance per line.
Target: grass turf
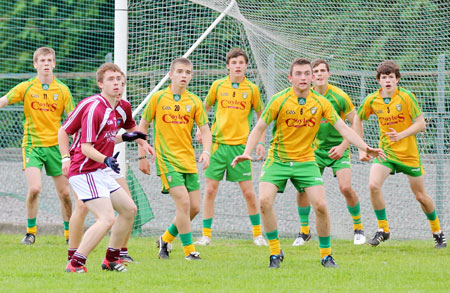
x=228, y=265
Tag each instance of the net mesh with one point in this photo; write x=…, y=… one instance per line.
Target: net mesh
x=353, y=36
x=82, y=35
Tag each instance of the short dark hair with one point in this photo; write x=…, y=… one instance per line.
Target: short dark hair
x=299, y=61
x=388, y=67
x=317, y=62
x=181, y=60
x=236, y=52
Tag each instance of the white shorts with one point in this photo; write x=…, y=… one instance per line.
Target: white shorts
x=113, y=174
x=93, y=185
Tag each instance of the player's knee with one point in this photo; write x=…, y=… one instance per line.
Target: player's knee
x=346, y=190
x=184, y=204
x=374, y=188
x=249, y=195
x=321, y=208
x=210, y=192
x=34, y=191
x=265, y=204
x=195, y=209
x=107, y=220
x=422, y=197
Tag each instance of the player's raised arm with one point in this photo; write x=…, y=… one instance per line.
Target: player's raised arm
x=252, y=141
x=3, y=102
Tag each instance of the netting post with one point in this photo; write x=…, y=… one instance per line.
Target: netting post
x=440, y=139
x=120, y=58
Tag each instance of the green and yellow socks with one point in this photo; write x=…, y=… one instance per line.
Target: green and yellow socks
x=434, y=221
x=254, y=219
x=382, y=220
x=355, y=212
x=170, y=234
x=66, y=230
x=186, y=239
x=274, y=242
x=31, y=226
x=206, y=231
x=256, y=224
x=303, y=213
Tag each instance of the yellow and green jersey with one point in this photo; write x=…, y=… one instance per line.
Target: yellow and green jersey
x=297, y=121
x=397, y=112
x=173, y=117
x=233, y=103
x=328, y=136
x=44, y=105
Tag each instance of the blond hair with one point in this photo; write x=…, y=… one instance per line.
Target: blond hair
x=43, y=51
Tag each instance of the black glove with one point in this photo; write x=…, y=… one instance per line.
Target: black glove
x=130, y=136
x=112, y=163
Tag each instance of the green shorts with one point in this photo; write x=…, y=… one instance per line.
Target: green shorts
x=173, y=179
x=397, y=167
x=323, y=160
x=302, y=174
x=50, y=157
x=220, y=162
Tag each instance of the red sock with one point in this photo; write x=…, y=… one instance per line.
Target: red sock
x=112, y=254
x=78, y=260
x=70, y=253
x=123, y=251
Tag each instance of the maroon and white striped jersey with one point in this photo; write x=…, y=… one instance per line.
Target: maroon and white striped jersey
x=94, y=121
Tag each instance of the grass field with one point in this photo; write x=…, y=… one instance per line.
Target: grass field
x=229, y=265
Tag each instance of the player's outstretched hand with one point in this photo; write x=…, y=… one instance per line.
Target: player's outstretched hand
x=376, y=153
x=112, y=163
x=239, y=159
x=130, y=136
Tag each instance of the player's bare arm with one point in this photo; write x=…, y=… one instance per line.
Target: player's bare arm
x=252, y=141
x=356, y=140
x=144, y=165
x=418, y=125
x=261, y=146
x=63, y=142
x=198, y=135
x=358, y=127
x=206, y=139
x=3, y=101
x=337, y=152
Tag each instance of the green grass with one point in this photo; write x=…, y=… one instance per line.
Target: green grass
x=229, y=265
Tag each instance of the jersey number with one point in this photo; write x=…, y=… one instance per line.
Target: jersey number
x=177, y=107
x=388, y=110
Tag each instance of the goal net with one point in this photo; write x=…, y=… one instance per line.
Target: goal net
x=354, y=37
